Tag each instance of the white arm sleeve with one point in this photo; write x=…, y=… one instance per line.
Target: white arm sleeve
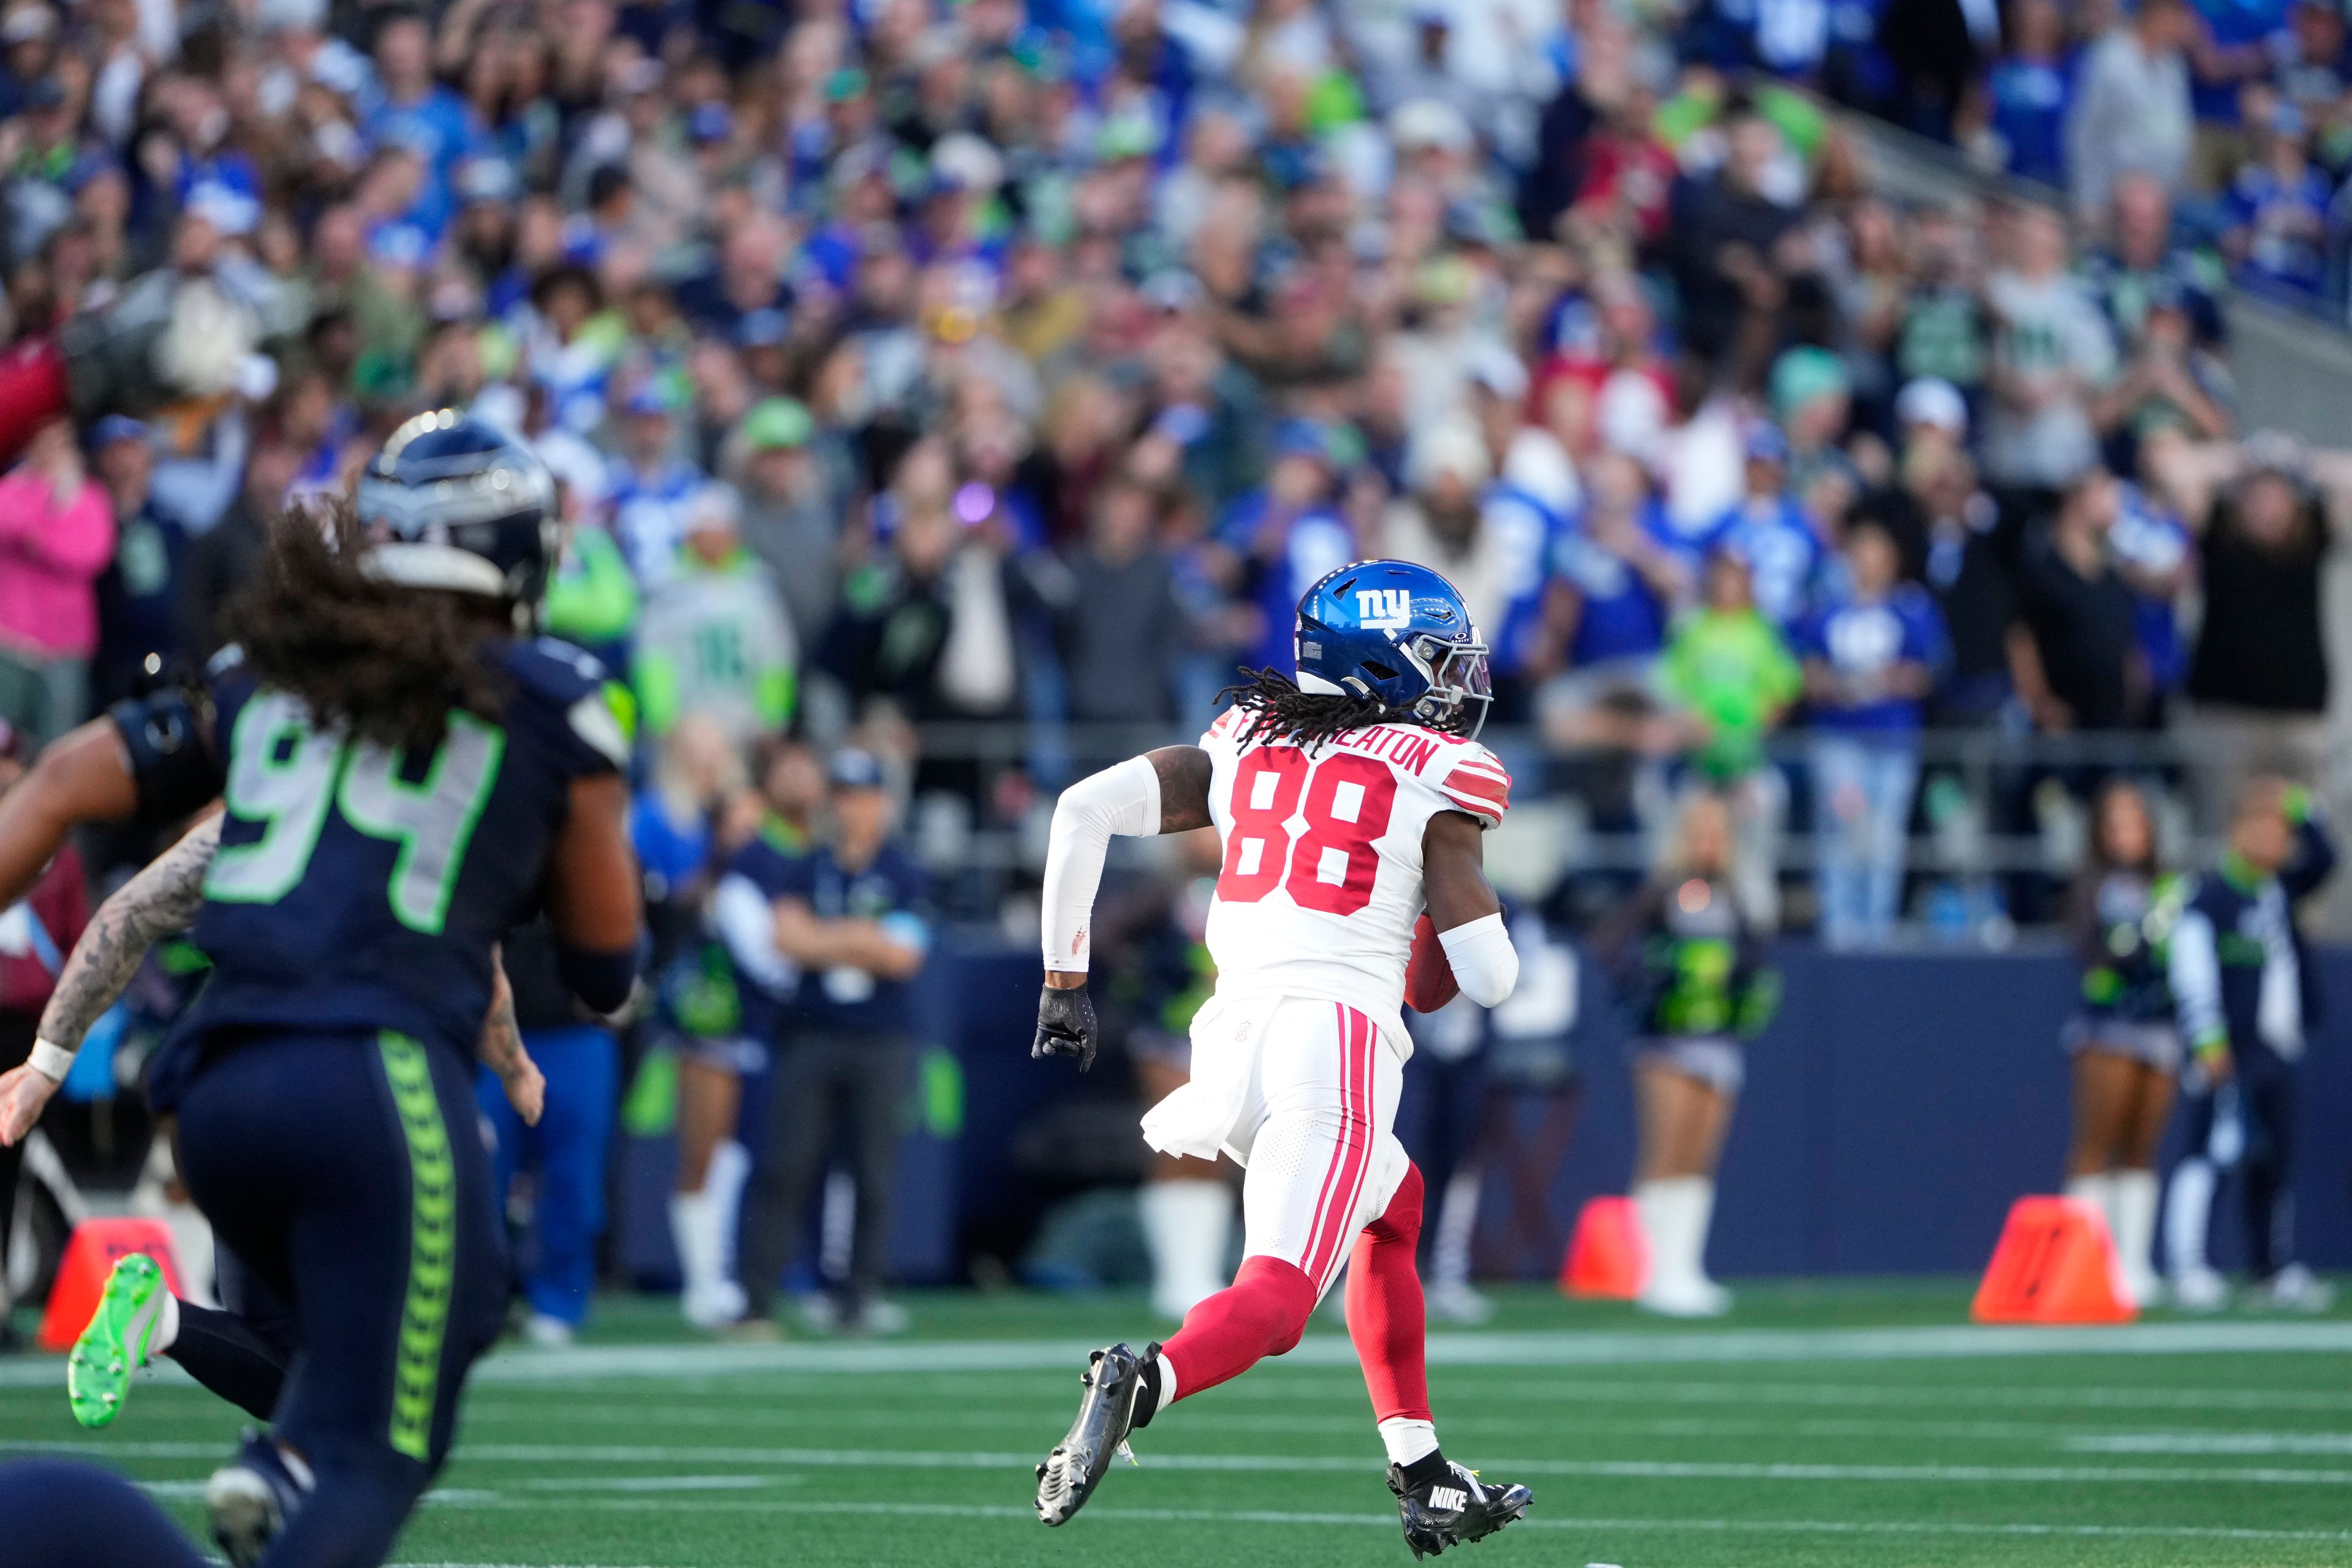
x=1122, y=800
x=1485, y=962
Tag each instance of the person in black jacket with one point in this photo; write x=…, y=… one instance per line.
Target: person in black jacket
x=1938, y=48
x=2259, y=677
x=2243, y=981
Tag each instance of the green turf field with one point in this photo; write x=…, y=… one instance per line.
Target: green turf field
x=1820, y=1426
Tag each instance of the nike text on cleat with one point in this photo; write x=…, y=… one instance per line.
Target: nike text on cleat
x=250, y=1501
x=1453, y=1507
x=1114, y=1381
x=114, y=1344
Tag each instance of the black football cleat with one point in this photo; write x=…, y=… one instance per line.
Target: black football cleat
x=1114, y=1382
x=1452, y=1507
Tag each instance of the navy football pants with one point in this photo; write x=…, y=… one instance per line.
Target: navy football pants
x=2265, y=1090
x=241, y=1349
x=347, y=1173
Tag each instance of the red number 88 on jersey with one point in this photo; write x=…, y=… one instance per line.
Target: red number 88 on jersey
x=1331, y=864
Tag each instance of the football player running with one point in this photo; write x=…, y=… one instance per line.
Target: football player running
x=407, y=776
x=1348, y=802
x=242, y=1349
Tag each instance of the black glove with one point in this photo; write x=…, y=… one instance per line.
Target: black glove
x=1066, y=1026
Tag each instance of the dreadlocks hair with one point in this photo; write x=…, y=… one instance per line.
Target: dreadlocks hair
x=1279, y=711
x=374, y=660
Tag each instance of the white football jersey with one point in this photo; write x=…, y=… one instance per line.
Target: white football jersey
x=1321, y=884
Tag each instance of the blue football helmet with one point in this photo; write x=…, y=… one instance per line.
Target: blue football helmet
x=457, y=504
x=1398, y=633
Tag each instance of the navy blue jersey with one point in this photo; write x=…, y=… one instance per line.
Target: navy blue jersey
x=361, y=888
x=2122, y=925
x=892, y=890
x=742, y=910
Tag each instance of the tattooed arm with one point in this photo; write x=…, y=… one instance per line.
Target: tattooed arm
x=158, y=902
x=501, y=1049
x=161, y=901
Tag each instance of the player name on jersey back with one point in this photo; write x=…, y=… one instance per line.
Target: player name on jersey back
x=1321, y=880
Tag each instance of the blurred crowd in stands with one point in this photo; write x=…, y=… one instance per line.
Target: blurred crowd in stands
x=949, y=398
x=906, y=365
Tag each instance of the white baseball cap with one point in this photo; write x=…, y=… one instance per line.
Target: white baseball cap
x=1931, y=400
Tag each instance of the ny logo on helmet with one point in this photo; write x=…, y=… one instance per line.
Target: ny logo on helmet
x=1384, y=609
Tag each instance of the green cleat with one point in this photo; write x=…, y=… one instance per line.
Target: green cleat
x=115, y=1346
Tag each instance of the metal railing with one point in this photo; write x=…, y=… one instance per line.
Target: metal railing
x=1990, y=806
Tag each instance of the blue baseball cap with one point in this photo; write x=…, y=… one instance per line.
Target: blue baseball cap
x=853, y=768
x=647, y=399
x=116, y=428
x=1765, y=443
x=1298, y=437
x=761, y=329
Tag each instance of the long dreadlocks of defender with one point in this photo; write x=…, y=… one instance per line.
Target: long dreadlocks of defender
x=1348, y=802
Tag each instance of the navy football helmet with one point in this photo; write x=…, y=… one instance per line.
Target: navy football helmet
x=1399, y=633
x=454, y=503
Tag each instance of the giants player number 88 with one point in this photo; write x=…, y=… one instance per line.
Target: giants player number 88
x=1347, y=802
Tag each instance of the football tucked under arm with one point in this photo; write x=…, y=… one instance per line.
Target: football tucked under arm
x=1122, y=800
x=1429, y=982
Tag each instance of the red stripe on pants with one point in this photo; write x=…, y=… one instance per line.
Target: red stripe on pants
x=1357, y=1036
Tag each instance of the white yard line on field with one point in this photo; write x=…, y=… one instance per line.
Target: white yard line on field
x=1103, y=1514
x=1550, y=1348
x=1546, y=1348
x=2210, y=1443
x=1622, y=1469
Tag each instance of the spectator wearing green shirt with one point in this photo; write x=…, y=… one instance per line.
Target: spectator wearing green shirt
x=715, y=638
x=1731, y=671
x=592, y=599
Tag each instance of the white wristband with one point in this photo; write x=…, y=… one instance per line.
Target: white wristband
x=51, y=1060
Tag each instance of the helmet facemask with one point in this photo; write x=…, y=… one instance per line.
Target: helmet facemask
x=1461, y=686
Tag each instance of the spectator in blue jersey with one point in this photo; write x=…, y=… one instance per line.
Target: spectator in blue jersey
x=2237, y=44
x=2277, y=238
x=1771, y=532
x=1871, y=659
x=1286, y=533
x=2032, y=86
x=1617, y=579
x=571, y=343
x=411, y=109
x=1622, y=579
x=2157, y=558
x=850, y=916
x=651, y=485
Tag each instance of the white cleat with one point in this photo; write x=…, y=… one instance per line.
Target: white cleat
x=712, y=1305
x=2200, y=1290
x=1458, y=1303
x=548, y=1333
x=1700, y=1298
x=2295, y=1288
